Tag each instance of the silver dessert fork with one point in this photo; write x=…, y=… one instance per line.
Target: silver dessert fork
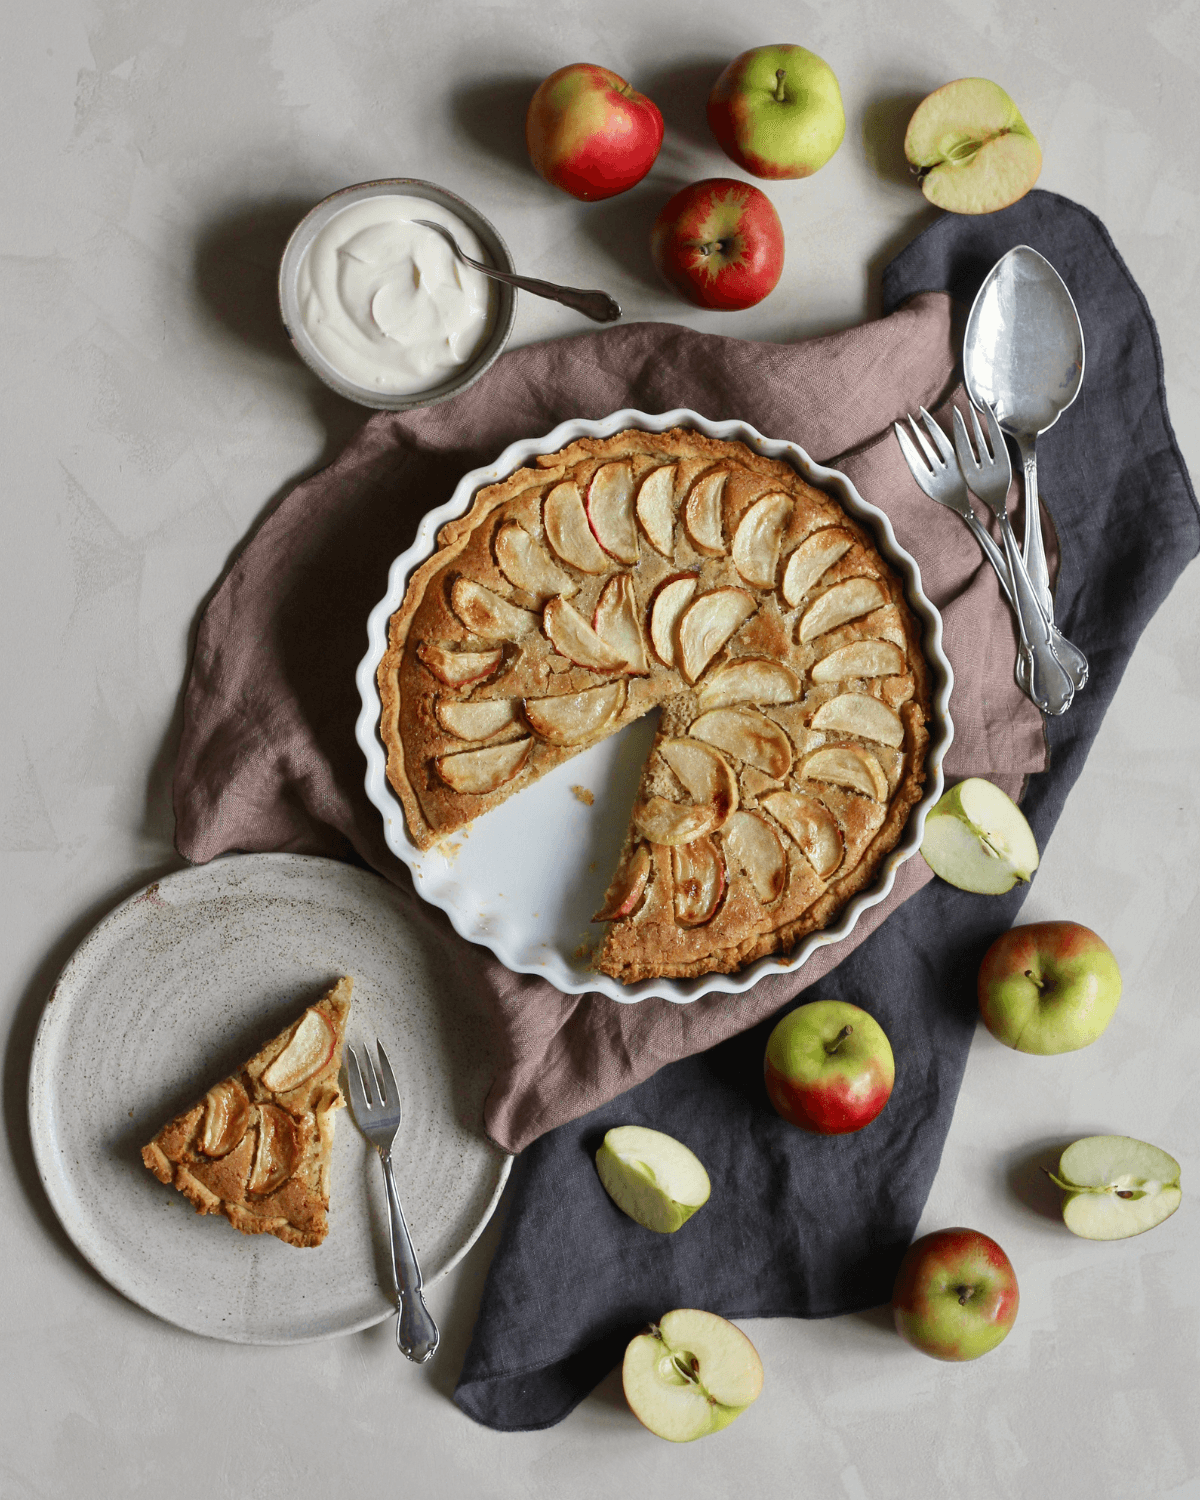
x=375, y=1101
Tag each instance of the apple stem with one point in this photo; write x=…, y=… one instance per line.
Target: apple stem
x=780, y=95
x=964, y=1295
x=831, y=1047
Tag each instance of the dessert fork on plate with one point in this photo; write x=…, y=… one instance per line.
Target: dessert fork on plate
x=375, y=1103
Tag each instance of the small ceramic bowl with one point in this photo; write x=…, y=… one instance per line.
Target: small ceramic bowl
x=503, y=305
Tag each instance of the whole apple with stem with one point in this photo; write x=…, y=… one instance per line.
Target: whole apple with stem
x=777, y=111
x=719, y=243
x=829, y=1067
x=955, y=1295
x=590, y=133
x=1048, y=987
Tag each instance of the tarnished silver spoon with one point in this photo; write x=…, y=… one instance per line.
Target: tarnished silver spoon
x=598, y=306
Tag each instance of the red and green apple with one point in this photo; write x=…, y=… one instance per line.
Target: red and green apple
x=955, y=1295
x=777, y=111
x=719, y=244
x=1048, y=987
x=829, y=1067
x=590, y=133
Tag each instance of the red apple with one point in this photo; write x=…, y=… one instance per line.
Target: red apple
x=719, y=243
x=829, y=1067
x=591, y=134
x=955, y=1295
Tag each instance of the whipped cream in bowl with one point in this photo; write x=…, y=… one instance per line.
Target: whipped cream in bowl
x=380, y=308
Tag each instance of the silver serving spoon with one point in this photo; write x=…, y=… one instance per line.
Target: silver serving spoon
x=1023, y=357
x=598, y=306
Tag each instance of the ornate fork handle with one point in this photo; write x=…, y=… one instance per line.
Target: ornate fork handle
x=416, y=1332
x=1067, y=652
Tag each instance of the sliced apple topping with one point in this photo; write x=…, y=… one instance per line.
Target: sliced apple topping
x=574, y=718
x=750, y=736
x=672, y=823
x=656, y=508
x=277, y=1154
x=859, y=659
x=758, y=849
x=856, y=713
x=702, y=514
x=480, y=771
x=811, y=559
x=529, y=567
x=705, y=774
x=750, y=679
x=310, y=1048
x=699, y=875
x=849, y=766
x=457, y=668
x=813, y=827
x=610, y=511
x=844, y=601
x=670, y=601
x=568, y=532
x=475, y=721
x=572, y=637
x=486, y=614
x=616, y=622
x=627, y=888
x=226, y=1115
x=757, y=538
x=707, y=623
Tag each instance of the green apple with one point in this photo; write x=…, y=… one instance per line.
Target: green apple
x=690, y=1375
x=955, y=1295
x=1048, y=987
x=777, y=111
x=977, y=839
x=970, y=148
x=1114, y=1186
x=652, y=1177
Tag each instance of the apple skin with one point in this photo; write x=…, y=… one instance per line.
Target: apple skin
x=772, y=137
x=829, y=1067
x=1048, y=987
x=590, y=134
x=955, y=1295
x=719, y=244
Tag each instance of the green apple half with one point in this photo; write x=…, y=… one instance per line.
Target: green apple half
x=970, y=148
x=652, y=1177
x=1114, y=1186
x=977, y=839
x=690, y=1375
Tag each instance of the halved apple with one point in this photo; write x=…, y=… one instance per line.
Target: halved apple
x=672, y=823
x=652, y=1177
x=568, y=532
x=848, y=766
x=707, y=623
x=971, y=150
x=487, y=614
x=572, y=636
x=690, y=1375
x=702, y=514
x=844, y=601
x=815, y=555
x=528, y=566
x=480, y=771
x=857, y=713
x=616, y=622
x=978, y=839
x=628, y=886
x=457, y=668
x=475, y=721
x=656, y=508
x=750, y=736
x=699, y=875
x=669, y=603
x=226, y=1116
x=277, y=1154
x=757, y=848
x=750, y=679
x=1115, y=1186
x=705, y=774
x=813, y=827
x=859, y=659
x=757, y=539
x=308, y=1050
x=573, y=718
x=610, y=511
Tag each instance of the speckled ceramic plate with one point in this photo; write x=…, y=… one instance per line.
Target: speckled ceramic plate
x=172, y=991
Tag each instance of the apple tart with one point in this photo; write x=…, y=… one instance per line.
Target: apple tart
x=257, y=1147
x=672, y=571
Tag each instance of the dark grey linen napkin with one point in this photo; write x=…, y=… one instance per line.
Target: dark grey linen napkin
x=797, y=1225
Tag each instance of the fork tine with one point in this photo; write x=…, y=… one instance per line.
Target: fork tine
x=391, y=1094
x=967, y=462
x=984, y=449
x=931, y=457
x=358, y=1097
x=911, y=456
x=944, y=446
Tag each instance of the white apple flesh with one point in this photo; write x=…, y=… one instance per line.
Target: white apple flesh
x=652, y=1177
x=977, y=839
x=1114, y=1186
x=690, y=1375
x=971, y=149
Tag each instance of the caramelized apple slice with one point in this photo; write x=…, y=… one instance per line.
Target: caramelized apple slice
x=757, y=848
x=610, y=511
x=670, y=601
x=656, y=508
x=277, y=1154
x=616, y=622
x=627, y=888
x=849, y=766
x=568, y=532
x=486, y=614
x=757, y=538
x=705, y=774
x=856, y=713
x=575, y=717
x=572, y=637
x=707, y=623
x=457, y=668
x=480, y=771
x=310, y=1048
x=750, y=736
x=814, y=556
x=844, y=601
x=699, y=874
x=750, y=679
x=528, y=566
x=859, y=659
x=813, y=827
x=702, y=514
x=226, y=1115
x=672, y=823
x=475, y=721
